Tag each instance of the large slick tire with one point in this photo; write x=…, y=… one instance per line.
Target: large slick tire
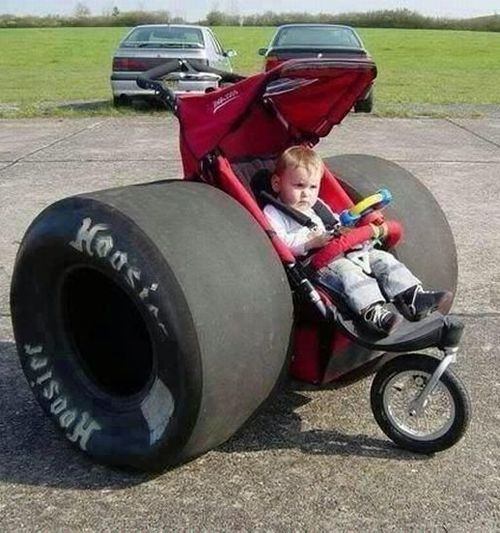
x=151, y=321
x=428, y=247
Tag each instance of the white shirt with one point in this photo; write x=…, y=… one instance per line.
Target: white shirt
x=291, y=232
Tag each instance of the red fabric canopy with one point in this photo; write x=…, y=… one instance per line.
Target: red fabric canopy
x=298, y=101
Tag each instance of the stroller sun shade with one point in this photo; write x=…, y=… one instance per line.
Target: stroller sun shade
x=300, y=100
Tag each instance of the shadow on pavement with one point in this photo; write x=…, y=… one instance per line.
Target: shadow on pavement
x=279, y=427
x=33, y=452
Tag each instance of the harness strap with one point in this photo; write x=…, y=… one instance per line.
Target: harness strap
x=330, y=221
x=296, y=215
x=326, y=215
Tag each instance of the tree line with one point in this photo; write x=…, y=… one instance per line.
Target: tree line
x=82, y=18
x=397, y=18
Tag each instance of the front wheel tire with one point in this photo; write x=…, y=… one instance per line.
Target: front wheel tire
x=444, y=418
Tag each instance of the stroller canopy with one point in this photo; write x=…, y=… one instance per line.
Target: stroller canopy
x=298, y=101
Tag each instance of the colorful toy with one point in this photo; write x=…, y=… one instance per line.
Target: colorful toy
x=379, y=200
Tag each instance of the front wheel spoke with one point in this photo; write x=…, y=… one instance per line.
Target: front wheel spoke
x=436, y=415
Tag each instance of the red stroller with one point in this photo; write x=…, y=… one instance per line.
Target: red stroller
x=176, y=311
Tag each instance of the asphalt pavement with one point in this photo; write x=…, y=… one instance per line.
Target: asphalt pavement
x=313, y=460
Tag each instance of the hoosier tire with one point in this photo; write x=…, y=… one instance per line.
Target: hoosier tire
x=151, y=321
x=428, y=247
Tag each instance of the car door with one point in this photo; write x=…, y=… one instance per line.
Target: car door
x=217, y=58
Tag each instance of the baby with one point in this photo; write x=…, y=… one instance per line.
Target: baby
x=367, y=285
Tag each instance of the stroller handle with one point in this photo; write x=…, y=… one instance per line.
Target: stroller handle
x=149, y=79
x=226, y=77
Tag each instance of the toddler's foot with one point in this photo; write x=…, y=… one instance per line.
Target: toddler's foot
x=415, y=303
x=380, y=319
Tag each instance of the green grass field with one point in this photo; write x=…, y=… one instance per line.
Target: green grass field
x=415, y=66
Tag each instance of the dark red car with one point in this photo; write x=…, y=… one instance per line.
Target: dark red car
x=304, y=41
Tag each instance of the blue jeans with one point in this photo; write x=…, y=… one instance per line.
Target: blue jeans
x=361, y=290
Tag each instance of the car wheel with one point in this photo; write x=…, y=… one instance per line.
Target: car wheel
x=120, y=101
x=364, y=106
x=151, y=321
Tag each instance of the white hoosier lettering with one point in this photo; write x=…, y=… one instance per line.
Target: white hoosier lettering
x=51, y=390
x=38, y=362
x=83, y=430
x=33, y=350
x=132, y=275
x=103, y=246
x=118, y=260
x=79, y=426
x=58, y=405
x=145, y=292
x=85, y=236
x=44, y=377
x=67, y=418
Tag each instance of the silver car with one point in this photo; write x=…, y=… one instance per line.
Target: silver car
x=148, y=46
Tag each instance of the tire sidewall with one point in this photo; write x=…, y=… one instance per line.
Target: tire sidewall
x=151, y=424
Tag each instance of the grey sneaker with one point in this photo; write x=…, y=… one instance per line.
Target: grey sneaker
x=415, y=303
x=381, y=320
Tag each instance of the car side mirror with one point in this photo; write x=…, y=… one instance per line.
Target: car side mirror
x=231, y=53
x=262, y=51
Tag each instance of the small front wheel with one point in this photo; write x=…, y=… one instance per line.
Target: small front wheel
x=442, y=420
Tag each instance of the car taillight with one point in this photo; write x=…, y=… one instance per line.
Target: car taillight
x=128, y=63
x=271, y=62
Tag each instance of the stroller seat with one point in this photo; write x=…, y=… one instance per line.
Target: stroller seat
x=255, y=175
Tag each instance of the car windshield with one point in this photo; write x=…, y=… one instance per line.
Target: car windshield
x=166, y=37
x=323, y=36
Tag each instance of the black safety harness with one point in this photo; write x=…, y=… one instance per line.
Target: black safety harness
x=330, y=221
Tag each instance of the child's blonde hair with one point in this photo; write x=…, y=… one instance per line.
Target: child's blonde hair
x=299, y=156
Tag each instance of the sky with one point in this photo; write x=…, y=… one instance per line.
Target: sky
x=193, y=10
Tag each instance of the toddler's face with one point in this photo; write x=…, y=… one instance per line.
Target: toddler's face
x=298, y=187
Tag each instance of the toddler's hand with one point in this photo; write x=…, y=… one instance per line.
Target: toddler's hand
x=375, y=217
x=344, y=230
x=318, y=240
x=381, y=231
x=385, y=230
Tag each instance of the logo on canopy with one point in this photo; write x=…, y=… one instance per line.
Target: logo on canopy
x=225, y=99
